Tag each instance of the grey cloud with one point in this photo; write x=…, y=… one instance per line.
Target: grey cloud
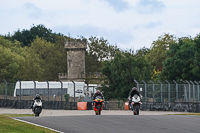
x=150, y=6
x=34, y=11
x=118, y=5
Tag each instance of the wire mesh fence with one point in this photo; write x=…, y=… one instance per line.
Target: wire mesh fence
x=156, y=96
x=151, y=92
x=170, y=92
x=7, y=89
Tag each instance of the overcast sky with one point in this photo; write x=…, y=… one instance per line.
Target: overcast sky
x=130, y=24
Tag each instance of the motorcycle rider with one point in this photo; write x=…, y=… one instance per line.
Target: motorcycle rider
x=98, y=93
x=132, y=93
x=37, y=96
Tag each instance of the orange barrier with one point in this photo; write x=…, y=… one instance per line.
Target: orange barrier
x=126, y=106
x=81, y=105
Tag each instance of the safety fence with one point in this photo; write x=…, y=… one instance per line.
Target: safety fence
x=168, y=92
x=188, y=91
x=164, y=92
x=160, y=95
x=48, y=90
x=7, y=89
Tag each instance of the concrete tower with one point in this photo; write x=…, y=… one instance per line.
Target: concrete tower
x=75, y=61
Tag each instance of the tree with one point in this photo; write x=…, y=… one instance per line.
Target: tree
x=42, y=61
x=142, y=52
x=92, y=63
x=121, y=72
x=101, y=48
x=158, y=50
x=196, y=60
x=97, y=51
x=25, y=37
x=182, y=60
x=10, y=59
x=31, y=68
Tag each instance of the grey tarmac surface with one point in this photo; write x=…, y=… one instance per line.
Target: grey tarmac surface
x=111, y=121
x=119, y=123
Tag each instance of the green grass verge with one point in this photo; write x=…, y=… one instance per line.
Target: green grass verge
x=198, y=114
x=9, y=125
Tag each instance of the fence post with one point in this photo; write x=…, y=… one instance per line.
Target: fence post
x=193, y=94
x=47, y=90
x=137, y=83
x=61, y=91
x=168, y=90
x=197, y=90
x=161, y=95
x=34, y=86
x=185, y=93
x=6, y=89
x=74, y=93
x=153, y=90
x=176, y=90
x=189, y=91
x=20, y=98
x=86, y=82
x=145, y=85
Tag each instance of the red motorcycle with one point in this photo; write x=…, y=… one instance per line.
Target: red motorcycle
x=98, y=105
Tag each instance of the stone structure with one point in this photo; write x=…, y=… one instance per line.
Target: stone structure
x=75, y=61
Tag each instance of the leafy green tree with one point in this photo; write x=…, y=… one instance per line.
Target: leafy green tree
x=158, y=50
x=97, y=51
x=41, y=61
x=25, y=37
x=101, y=48
x=142, y=52
x=196, y=60
x=48, y=59
x=31, y=68
x=182, y=60
x=92, y=63
x=121, y=72
x=10, y=59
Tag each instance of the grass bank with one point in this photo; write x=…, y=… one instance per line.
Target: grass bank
x=9, y=125
x=198, y=114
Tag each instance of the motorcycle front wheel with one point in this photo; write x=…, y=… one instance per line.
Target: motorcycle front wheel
x=98, y=110
x=37, y=112
x=137, y=109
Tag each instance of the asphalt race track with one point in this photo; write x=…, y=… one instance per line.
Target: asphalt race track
x=119, y=123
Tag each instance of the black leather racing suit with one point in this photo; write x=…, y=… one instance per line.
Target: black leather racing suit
x=132, y=93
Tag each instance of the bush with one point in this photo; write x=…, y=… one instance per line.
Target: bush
x=66, y=97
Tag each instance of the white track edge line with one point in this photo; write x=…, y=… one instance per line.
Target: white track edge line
x=37, y=125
